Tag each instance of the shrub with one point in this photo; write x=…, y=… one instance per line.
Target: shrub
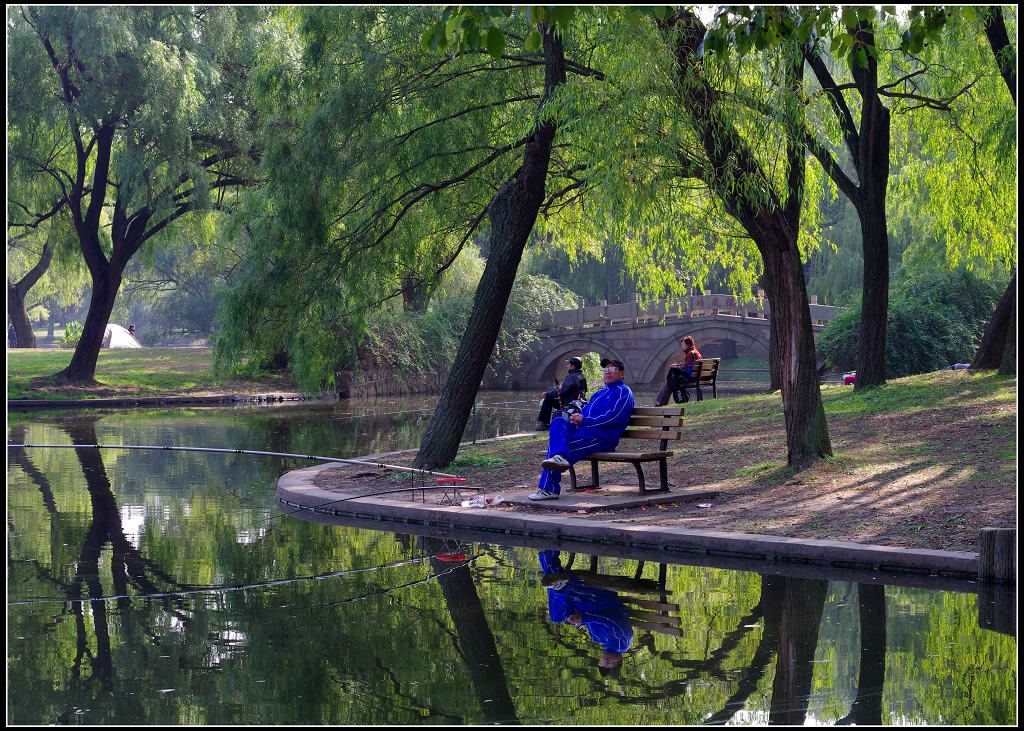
x=414, y=343
x=934, y=320
x=72, y=334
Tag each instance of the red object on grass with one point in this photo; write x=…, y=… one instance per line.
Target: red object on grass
x=451, y=479
x=848, y=379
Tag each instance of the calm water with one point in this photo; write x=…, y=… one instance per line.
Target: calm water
x=149, y=587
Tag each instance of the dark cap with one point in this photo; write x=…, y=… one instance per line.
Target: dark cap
x=575, y=361
x=617, y=363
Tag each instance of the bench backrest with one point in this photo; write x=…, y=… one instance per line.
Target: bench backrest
x=706, y=370
x=653, y=422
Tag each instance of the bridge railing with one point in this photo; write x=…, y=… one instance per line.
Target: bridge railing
x=673, y=310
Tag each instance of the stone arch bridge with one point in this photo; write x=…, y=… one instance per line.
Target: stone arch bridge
x=647, y=341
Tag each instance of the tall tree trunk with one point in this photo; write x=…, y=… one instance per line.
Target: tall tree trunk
x=871, y=158
x=106, y=274
x=999, y=39
x=512, y=213
x=766, y=222
x=869, y=150
x=82, y=368
x=998, y=347
x=999, y=333
x=796, y=162
x=806, y=429
x=874, y=294
x=16, y=294
x=1008, y=366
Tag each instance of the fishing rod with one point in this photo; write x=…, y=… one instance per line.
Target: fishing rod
x=379, y=465
x=411, y=470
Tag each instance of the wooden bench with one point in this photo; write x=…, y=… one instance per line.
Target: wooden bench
x=646, y=422
x=705, y=373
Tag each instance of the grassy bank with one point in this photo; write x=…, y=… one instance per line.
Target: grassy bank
x=925, y=461
x=130, y=373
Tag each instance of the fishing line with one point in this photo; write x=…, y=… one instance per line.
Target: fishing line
x=416, y=411
x=221, y=589
x=379, y=465
x=384, y=592
x=380, y=413
x=315, y=508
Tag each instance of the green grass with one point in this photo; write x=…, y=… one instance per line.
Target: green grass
x=479, y=460
x=769, y=474
x=922, y=391
x=150, y=371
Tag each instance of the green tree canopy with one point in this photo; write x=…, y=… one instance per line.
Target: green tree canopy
x=381, y=163
x=130, y=117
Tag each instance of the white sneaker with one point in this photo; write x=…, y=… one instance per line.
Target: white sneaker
x=557, y=463
x=544, y=495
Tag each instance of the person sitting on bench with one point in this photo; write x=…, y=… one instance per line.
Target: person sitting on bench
x=574, y=386
x=679, y=374
x=597, y=428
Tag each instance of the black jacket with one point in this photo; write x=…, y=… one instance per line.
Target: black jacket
x=574, y=385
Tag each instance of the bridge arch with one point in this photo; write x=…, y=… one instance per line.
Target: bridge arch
x=545, y=367
x=656, y=367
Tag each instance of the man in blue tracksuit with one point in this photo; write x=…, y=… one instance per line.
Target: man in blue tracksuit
x=599, y=611
x=597, y=428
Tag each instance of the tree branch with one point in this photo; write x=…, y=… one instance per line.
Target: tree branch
x=828, y=85
x=406, y=135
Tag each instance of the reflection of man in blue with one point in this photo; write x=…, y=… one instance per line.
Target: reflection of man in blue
x=600, y=611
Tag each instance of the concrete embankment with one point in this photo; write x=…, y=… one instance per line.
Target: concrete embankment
x=538, y=527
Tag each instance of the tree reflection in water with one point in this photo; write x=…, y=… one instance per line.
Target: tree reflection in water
x=475, y=638
x=128, y=567
x=416, y=638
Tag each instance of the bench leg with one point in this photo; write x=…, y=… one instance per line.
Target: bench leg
x=700, y=396
x=640, y=477
x=595, y=481
x=663, y=473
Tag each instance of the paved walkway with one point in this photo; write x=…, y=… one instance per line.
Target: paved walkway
x=546, y=524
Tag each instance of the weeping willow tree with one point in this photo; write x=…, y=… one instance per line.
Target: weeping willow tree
x=384, y=161
x=914, y=93
x=146, y=119
x=669, y=165
x=379, y=167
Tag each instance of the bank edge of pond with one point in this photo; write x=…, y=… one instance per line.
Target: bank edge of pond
x=296, y=490
x=216, y=399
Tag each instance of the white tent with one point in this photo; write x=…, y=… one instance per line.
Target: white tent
x=116, y=337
